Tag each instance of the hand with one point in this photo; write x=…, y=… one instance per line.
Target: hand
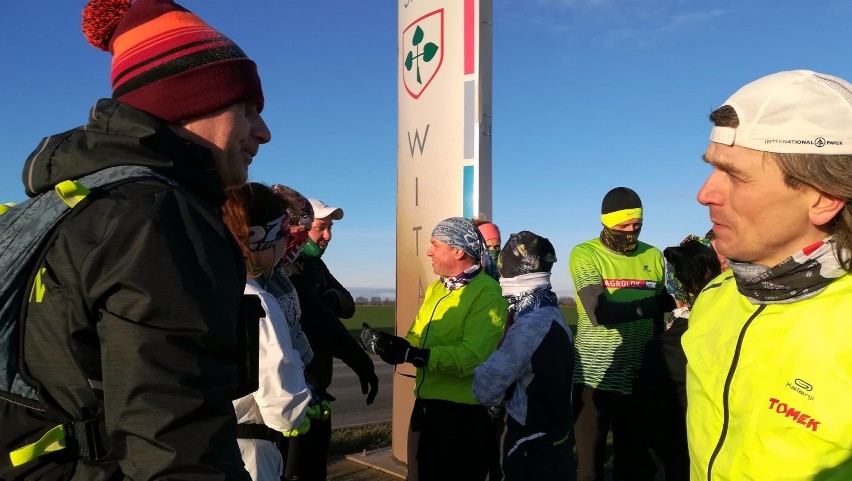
x=369, y=338
x=392, y=349
x=369, y=385
x=418, y=357
x=665, y=302
x=302, y=428
x=320, y=410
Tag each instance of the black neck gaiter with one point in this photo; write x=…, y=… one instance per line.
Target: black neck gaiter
x=621, y=242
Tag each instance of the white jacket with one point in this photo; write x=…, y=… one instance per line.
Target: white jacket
x=282, y=397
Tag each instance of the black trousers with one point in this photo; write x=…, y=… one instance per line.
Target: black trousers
x=307, y=454
x=456, y=441
x=596, y=412
x=528, y=456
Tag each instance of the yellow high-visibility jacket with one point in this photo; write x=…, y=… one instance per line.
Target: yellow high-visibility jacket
x=769, y=387
x=461, y=328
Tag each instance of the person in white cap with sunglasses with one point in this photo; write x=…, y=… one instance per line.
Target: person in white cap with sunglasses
x=769, y=368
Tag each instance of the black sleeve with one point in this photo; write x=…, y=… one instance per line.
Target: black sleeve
x=337, y=297
x=323, y=328
x=606, y=312
x=675, y=358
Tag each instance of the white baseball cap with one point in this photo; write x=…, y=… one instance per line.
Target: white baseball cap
x=321, y=210
x=792, y=112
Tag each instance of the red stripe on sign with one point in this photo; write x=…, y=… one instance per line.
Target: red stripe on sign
x=469, y=30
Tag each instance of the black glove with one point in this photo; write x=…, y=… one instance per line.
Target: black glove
x=369, y=338
x=396, y=350
x=392, y=349
x=418, y=357
x=369, y=385
x=665, y=302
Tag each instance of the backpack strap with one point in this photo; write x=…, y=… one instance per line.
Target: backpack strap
x=53, y=440
x=89, y=442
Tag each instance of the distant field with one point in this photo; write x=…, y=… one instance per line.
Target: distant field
x=382, y=318
x=378, y=317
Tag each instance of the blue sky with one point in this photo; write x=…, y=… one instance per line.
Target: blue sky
x=587, y=96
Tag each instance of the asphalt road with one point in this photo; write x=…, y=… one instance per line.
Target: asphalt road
x=350, y=408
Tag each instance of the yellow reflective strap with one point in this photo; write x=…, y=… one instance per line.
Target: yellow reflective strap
x=5, y=207
x=53, y=440
x=557, y=443
x=71, y=192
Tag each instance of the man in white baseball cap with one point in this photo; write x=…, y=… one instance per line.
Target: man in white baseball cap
x=769, y=365
x=323, y=211
x=324, y=301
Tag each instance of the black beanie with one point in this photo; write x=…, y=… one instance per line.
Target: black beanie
x=525, y=253
x=620, y=198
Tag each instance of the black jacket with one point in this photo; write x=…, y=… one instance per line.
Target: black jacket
x=321, y=313
x=659, y=390
x=142, y=293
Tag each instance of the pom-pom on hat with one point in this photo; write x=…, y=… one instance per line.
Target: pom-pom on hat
x=167, y=61
x=620, y=204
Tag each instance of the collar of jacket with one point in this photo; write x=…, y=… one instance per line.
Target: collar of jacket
x=118, y=134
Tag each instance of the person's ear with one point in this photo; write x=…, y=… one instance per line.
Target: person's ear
x=824, y=208
x=458, y=254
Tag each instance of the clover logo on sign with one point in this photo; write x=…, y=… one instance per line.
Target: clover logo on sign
x=421, y=44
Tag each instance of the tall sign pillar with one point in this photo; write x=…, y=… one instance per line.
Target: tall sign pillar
x=443, y=151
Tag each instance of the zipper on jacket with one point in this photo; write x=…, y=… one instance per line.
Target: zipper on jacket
x=423, y=341
x=727, y=391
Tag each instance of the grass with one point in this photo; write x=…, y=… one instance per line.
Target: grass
x=378, y=317
x=355, y=439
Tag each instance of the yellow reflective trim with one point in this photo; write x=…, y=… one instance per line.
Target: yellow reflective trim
x=619, y=216
x=53, y=440
x=5, y=207
x=37, y=294
x=557, y=443
x=71, y=192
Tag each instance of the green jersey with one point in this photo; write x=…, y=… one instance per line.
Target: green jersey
x=608, y=352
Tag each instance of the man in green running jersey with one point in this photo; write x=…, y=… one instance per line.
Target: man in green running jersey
x=621, y=302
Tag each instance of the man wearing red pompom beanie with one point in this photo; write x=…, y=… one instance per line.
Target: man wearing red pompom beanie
x=133, y=330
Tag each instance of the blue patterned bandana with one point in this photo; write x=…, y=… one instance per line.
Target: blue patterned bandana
x=460, y=233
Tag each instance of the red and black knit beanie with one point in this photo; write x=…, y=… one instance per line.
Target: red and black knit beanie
x=167, y=61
